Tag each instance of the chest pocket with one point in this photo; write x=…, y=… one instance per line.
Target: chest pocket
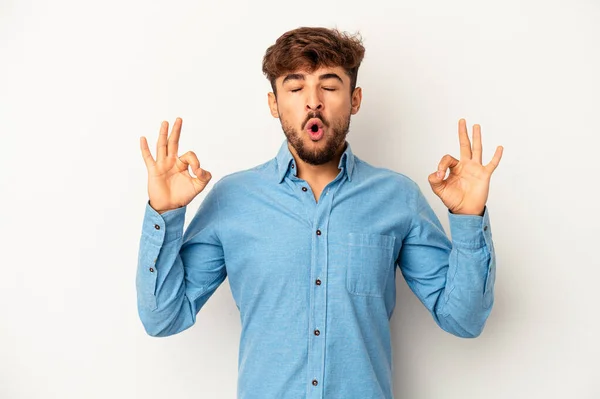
x=369, y=263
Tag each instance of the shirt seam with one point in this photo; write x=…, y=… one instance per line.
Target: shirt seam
x=218, y=216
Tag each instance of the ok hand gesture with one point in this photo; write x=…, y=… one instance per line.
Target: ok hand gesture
x=465, y=190
x=170, y=185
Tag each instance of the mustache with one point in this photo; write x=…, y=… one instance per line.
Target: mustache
x=317, y=115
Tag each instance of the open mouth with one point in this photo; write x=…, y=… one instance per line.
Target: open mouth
x=314, y=128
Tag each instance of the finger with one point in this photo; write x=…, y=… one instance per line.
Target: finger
x=447, y=161
x=477, y=147
x=437, y=183
x=161, y=144
x=491, y=167
x=190, y=158
x=202, y=180
x=173, y=145
x=463, y=139
x=148, y=160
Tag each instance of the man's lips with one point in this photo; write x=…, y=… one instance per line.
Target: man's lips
x=312, y=122
x=314, y=128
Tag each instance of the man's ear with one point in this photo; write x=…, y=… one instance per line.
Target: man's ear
x=356, y=100
x=273, y=104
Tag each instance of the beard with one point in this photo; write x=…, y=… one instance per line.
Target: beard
x=333, y=141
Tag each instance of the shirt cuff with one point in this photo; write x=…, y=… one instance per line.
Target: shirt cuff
x=472, y=231
x=163, y=228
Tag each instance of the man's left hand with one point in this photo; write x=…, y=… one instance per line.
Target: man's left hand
x=465, y=190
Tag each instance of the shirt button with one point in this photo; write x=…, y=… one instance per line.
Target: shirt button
x=318, y=232
x=292, y=166
x=317, y=332
x=318, y=282
x=485, y=228
x=151, y=270
x=304, y=189
x=157, y=227
x=315, y=382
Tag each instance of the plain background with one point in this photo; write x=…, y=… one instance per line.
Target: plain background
x=80, y=82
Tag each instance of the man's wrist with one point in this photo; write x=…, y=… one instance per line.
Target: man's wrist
x=468, y=213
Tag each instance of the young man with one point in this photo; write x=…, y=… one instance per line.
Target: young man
x=310, y=240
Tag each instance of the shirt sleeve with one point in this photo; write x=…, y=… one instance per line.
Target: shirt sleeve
x=177, y=272
x=453, y=279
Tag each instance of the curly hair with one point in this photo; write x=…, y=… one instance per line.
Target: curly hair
x=311, y=48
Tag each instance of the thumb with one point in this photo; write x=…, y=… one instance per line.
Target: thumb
x=202, y=176
x=436, y=182
x=201, y=180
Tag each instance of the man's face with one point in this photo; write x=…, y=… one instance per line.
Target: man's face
x=314, y=110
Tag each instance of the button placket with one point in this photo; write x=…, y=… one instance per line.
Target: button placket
x=319, y=267
x=318, y=305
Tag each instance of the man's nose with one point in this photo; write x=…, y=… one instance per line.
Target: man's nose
x=313, y=102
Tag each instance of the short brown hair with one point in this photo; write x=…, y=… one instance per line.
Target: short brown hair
x=311, y=48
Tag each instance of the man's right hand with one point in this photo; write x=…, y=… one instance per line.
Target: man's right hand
x=170, y=185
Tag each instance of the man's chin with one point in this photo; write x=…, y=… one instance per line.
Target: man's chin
x=318, y=157
x=321, y=142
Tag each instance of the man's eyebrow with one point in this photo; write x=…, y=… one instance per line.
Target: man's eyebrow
x=293, y=76
x=331, y=76
x=299, y=76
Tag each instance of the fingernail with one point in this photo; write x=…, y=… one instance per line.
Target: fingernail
x=440, y=175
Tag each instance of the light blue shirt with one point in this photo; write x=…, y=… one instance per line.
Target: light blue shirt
x=314, y=281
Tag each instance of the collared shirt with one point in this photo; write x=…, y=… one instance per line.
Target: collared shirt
x=314, y=282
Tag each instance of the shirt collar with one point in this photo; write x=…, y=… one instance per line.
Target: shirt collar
x=285, y=159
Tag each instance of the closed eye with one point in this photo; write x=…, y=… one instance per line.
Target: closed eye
x=324, y=88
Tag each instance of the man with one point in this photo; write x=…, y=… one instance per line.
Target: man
x=310, y=240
